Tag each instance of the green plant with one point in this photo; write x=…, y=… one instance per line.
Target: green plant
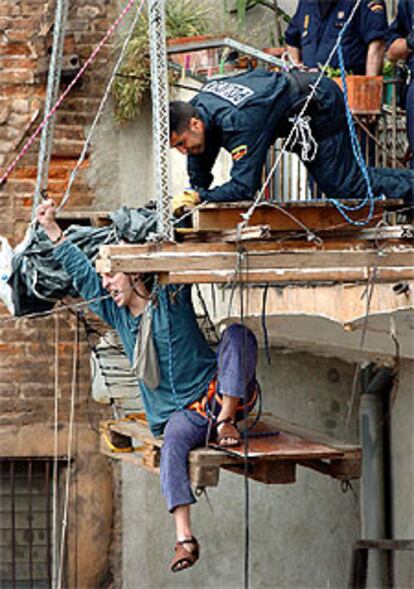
x=183, y=18
x=333, y=72
x=388, y=69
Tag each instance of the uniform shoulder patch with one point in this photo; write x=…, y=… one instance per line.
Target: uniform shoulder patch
x=230, y=91
x=238, y=152
x=376, y=6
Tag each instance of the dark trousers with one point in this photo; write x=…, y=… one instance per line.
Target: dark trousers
x=335, y=168
x=186, y=429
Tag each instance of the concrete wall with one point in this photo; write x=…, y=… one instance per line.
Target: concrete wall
x=300, y=534
x=402, y=440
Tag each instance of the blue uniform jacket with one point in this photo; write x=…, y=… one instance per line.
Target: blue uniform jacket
x=402, y=26
x=242, y=115
x=186, y=362
x=315, y=37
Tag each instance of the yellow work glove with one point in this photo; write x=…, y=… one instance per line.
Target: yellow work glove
x=185, y=200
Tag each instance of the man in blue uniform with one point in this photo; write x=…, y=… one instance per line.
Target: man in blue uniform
x=245, y=114
x=177, y=371
x=400, y=42
x=315, y=26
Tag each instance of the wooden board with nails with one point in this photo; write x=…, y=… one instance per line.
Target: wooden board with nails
x=274, y=448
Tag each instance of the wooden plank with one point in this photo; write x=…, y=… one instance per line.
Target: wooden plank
x=151, y=457
x=283, y=446
x=340, y=239
x=343, y=469
x=255, y=247
x=269, y=472
x=121, y=259
x=129, y=457
x=249, y=233
x=274, y=448
x=283, y=277
x=136, y=430
x=311, y=435
x=204, y=476
x=315, y=216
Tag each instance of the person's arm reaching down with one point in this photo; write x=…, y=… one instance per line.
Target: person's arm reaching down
x=375, y=57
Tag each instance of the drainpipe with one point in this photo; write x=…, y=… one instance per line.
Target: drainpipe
x=376, y=385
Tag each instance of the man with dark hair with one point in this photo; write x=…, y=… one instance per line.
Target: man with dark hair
x=400, y=42
x=314, y=28
x=245, y=114
x=184, y=385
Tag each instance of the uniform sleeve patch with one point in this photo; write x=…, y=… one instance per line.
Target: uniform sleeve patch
x=238, y=152
x=376, y=6
x=230, y=91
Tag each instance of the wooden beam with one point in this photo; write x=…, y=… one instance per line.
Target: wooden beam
x=274, y=447
x=293, y=216
x=254, y=257
x=285, y=277
x=271, y=472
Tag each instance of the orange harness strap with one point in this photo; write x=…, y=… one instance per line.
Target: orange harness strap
x=202, y=406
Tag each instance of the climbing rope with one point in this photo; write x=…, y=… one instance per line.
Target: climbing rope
x=55, y=457
x=69, y=452
x=369, y=198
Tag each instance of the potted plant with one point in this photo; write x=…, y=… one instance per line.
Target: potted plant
x=364, y=92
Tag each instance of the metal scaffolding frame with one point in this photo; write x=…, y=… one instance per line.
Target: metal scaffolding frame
x=53, y=84
x=160, y=114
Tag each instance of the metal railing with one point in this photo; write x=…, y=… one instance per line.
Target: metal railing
x=383, y=141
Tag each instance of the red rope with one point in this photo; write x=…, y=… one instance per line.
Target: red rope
x=62, y=97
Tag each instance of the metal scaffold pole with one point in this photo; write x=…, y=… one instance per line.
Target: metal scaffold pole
x=53, y=84
x=160, y=113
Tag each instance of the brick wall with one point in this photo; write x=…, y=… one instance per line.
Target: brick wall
x=27, y=346
x=25, y=42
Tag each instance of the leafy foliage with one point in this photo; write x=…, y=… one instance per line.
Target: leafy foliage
x=183, y=18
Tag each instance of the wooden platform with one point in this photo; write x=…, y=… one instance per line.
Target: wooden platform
x=314, y=215
x=298, y=242
x=271, y=459
x=257, y=262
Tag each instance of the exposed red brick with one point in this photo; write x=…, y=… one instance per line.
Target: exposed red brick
x=27, y=347
x=15, y=49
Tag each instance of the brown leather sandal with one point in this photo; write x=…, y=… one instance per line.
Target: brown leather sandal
x=184, y=558
x=228, y=430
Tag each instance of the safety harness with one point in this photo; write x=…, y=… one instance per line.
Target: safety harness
x=205, y=405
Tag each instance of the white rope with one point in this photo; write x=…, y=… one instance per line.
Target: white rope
x=69, y=455
x=303, y=136
x=100, y=108
x=247, y=216
x=55, y=458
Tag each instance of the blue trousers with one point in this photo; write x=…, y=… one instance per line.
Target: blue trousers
x=335, y=168
x=186, y=429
